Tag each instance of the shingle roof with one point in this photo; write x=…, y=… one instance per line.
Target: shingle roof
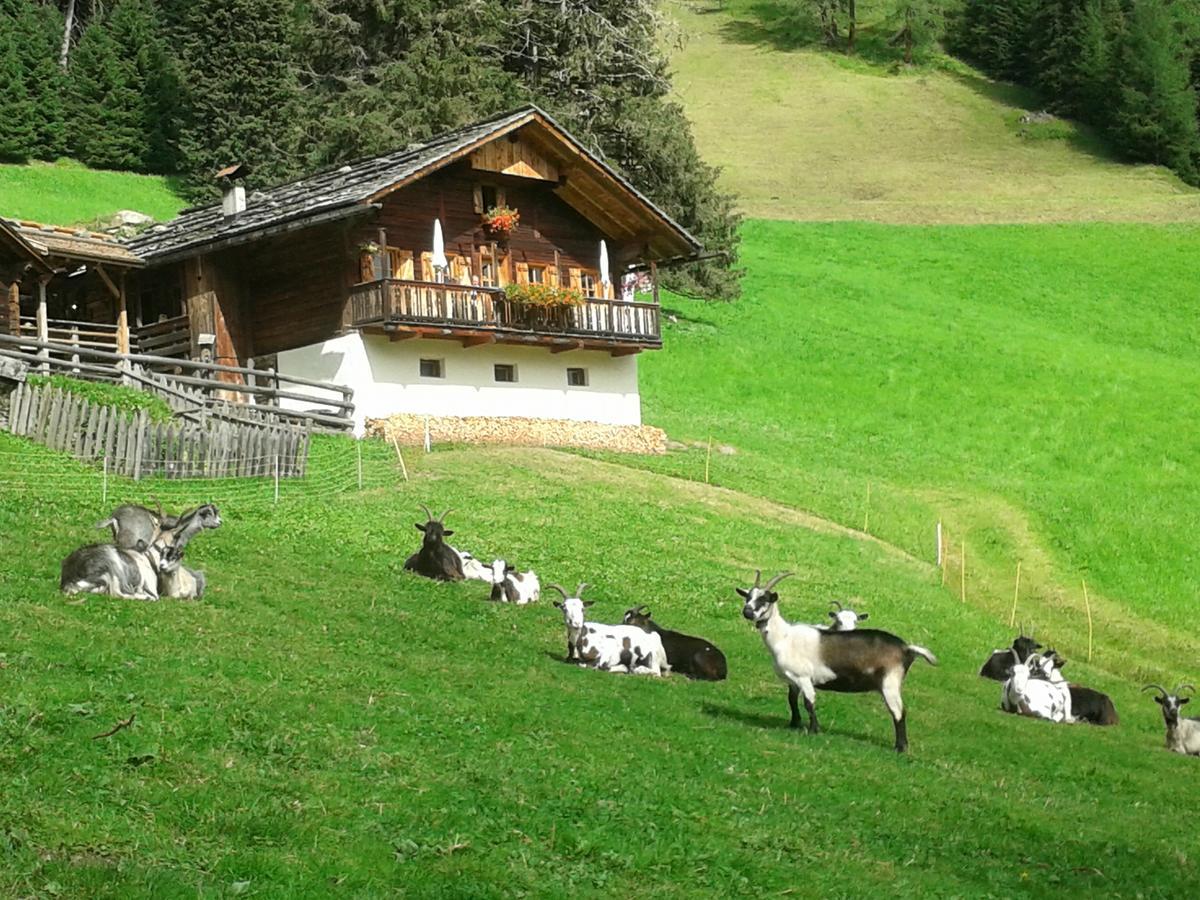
x=73, y=243
x=339, y=192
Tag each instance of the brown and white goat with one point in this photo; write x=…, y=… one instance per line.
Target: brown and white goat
x=436, y=559
x=808, y=659
x=999, y=664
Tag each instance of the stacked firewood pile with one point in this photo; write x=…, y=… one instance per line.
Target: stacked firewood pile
x=410, y=429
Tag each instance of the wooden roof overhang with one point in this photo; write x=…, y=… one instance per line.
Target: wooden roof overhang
x=18, y=257
x=592, y=187
x=587, y=184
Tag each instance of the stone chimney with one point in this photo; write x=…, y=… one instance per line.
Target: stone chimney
x=233, y=195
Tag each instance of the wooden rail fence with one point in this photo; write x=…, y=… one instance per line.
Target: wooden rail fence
x=138, y=448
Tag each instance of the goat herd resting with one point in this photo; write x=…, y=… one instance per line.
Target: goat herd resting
x=144, y=560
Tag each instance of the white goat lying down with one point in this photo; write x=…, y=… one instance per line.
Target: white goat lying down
x=473, y=569
x=610, y=648
x=1037, y=689
x=511, y=586
x=107, y=569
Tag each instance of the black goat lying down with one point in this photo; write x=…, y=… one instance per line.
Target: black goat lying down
x=436, y=559
x=999, y=664
x=1087, y=704
x=691, y=656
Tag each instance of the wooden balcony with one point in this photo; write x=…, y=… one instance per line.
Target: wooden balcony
x=478, y=315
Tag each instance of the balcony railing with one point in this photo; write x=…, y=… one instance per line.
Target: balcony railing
x=416, y=303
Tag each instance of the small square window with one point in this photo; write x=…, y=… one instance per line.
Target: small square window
x=505, y=372
x=491, y=197
x=577, y=378
x=431, y=368
x=588, y=284
x=537, y=274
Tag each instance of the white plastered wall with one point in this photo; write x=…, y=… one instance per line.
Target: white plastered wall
x=386, y=379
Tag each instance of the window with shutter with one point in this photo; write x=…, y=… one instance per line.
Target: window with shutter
x=522, y=273
x=574, y=273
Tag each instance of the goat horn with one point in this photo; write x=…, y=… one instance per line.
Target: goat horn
x=774, y=581
x=1182, y=686
x=1156, y=687
x=446, y=513
x=643, y=610
x=428, y=514
x=560, y=590
x=757, y=576
x=579, y=590
x=836, y=603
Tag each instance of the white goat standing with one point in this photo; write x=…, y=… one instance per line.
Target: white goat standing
x=808, y=658
x=610, y=648
x=511, y=586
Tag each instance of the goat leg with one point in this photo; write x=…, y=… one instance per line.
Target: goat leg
x=793, y=696
x=901, y=733
x=814, y=727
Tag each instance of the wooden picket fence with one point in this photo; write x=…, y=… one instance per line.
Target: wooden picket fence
x=138, y=448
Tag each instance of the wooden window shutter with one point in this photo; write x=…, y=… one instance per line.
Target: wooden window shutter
x=366, y=266
x=479, y=200
x=460, y=268
x=576, y=277
x=552, y=276
x=402, y=263
x=426, y=266
x=522, y=273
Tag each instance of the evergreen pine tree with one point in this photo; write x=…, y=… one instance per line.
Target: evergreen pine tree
x=1098, y=33
x=240, y=97
x=18, y=131
x=1155, y=119
x=35, y=29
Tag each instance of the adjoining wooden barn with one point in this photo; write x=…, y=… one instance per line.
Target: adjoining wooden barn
x=486, y=272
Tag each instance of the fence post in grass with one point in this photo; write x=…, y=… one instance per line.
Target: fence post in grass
x=940, y=561
x=358, y=446
x=400, y=456
x=708, y=459
x=963, y=574
x=104, y=483
x=427, y=434
x=276, y=477
x=1012, y=616
x=1087, y=605
x=867, y=514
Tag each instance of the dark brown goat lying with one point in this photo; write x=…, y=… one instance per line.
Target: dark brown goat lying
x=687, y=655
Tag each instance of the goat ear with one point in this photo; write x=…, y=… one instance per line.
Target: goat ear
x=863, y=617
x=447, y=533
x=1158, y=700
x=832, y=614
x=1183, y=700
x=419, y=526
x=558, y=603
x=587, y=603
x=744, y=593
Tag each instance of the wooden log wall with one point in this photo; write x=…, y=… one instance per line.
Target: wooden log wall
x=138, y=448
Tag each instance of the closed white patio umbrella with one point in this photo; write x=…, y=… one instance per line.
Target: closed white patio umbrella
x=438, y=258
x=604, y=276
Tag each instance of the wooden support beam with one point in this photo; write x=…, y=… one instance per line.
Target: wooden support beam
x=43, y=320
x=11, y=320
x=478, y=340
x=122, y=318
x=402, y=335
x=626, y=351
x=112, y=287
x=563, y=348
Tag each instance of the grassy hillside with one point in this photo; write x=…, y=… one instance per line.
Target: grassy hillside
x=324, y=723
x=1031, y=386
x=805, y=134
x=67, y=193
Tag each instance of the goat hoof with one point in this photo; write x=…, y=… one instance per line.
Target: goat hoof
x=795, y=723
x=814, y=729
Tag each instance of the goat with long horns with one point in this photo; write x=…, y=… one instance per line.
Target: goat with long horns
x=436, y=559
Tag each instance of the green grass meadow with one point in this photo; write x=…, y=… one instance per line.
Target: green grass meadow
x=68, y=193
x=324, y=724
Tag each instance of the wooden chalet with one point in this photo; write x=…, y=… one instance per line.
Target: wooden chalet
x=351, y=251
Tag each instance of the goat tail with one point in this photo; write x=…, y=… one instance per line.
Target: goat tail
x=912, y=651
